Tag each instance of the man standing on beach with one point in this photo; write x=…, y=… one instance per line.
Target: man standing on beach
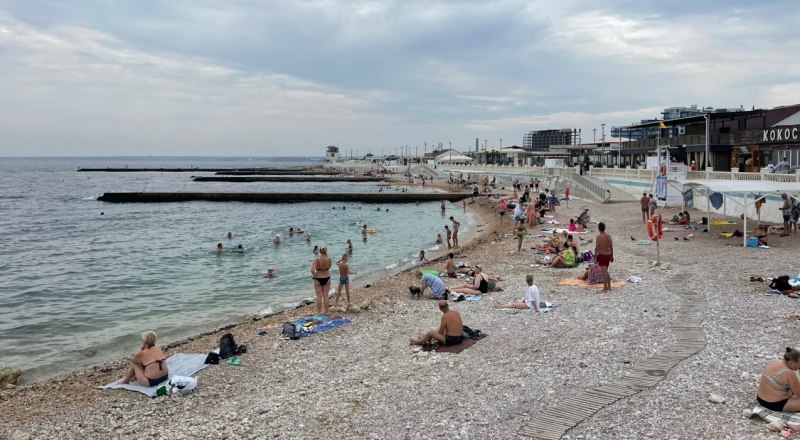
x=450, y=332
x=645, y=203
x=449, y=236
x=604, y=254
x=456, y=224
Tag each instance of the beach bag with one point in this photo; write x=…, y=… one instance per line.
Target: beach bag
x=290, y=330
x=181, y=385
x=227, y=346
x=212, y=358
x=751, y=242
x=588, y=256
x=470, y=333
x=781, y=283
x=595, y=274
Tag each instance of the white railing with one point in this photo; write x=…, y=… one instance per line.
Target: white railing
x=623, y=173
x=736, y=175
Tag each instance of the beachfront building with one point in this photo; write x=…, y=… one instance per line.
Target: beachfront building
x=745, y=140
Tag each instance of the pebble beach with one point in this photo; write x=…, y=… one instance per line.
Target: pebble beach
x=363, y=380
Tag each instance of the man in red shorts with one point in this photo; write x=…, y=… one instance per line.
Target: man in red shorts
x=604, y=254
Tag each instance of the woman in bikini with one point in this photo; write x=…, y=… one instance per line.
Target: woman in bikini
x=320, y=272
x=148, y=365
x=552, y=245
x=779, y=385
x=520, y=232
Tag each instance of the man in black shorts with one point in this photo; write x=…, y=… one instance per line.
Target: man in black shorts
x=450, y=331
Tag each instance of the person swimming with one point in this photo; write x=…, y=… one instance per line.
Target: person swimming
x=218, y=249
x=277, y=239
x=270, y=272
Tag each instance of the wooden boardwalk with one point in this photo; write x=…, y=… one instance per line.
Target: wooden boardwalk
x=555, y=421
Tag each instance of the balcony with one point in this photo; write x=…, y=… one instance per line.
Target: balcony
x=691, y=139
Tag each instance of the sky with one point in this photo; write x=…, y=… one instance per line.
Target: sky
x=288, y=78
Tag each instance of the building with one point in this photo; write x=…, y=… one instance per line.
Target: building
x=332, y=154
x=542, y=139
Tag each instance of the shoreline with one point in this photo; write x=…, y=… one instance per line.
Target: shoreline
x=277, y=313
x=362, y=380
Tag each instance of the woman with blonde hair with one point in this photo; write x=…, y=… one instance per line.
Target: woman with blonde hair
x=148, y=365
x=320, y=273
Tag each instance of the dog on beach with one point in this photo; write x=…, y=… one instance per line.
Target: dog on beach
x=415, y=292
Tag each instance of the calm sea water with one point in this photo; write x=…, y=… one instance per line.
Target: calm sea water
x=77, y=287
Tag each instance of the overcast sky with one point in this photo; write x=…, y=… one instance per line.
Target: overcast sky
x=238, y=77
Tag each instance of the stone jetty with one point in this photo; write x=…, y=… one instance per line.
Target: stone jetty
x=271, y=197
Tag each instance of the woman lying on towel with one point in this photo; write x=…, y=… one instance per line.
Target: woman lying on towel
x=779, y=384
x=149, y=365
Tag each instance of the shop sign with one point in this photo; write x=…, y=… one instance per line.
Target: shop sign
x=781, y=134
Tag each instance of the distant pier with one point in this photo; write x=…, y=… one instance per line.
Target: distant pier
x=286, y=179
x=230, y=171
x=271, y=197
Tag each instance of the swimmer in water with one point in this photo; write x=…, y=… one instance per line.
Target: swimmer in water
x=308, y=237
x=240, y=247
x=270, y=272
x=219, y=248
x=277, y=239
x=316, y=250
x=438, y=238
x=364, y=231
x=349, y=246
x=230, y=235
x=291, y=231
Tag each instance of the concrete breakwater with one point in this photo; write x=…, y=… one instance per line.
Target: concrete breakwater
x=237, y=178
x=266, y=197
x=231, y=171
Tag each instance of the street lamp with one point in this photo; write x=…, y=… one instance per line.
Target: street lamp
x=594, y=135
x=603, y=132
x=501, y=142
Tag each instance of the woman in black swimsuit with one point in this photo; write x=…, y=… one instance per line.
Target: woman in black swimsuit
x=320, y=272
x=149, y=365
x=480, y=285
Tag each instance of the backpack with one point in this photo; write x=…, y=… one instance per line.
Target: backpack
x=227, y=346
x=470, y=333
x=588, y=256
x=290, y=330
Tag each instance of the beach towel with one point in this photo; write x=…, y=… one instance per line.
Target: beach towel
x=722, y=222
x=310, y=325
x=577, y=282
x=465, y=344
x=775, y=416
x=181, y=364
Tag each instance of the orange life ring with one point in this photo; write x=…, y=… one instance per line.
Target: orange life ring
x=654, y=228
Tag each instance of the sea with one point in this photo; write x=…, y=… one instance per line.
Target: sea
x=81, y=279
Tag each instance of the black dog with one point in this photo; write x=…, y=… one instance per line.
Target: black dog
x=415, y=292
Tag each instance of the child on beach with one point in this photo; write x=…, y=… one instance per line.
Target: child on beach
x=344, y=280
x=520, y=232
x=531, y=300
x=449, y=236
x=438, y=238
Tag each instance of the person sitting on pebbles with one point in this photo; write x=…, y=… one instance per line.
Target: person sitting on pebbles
x=760, y=232
x=779, y=384
x=148, y=365
x=565, y=259
x=480, y=285
x=552, y=245
x=450, y=332
x=531, y=300
x=450, y=267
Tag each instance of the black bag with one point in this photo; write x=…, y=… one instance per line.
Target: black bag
x=227, y=346
x=212, y=358
x=470, y=333
x=290, y=330
x=781, y=283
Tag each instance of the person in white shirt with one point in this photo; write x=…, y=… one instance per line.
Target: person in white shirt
x=531, y=301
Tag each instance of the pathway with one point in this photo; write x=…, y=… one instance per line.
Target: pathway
x=555, y=421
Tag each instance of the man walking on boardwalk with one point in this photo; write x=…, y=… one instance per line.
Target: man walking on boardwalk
x=604, y=254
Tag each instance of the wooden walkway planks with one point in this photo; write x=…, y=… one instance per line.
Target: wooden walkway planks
x=555, y=421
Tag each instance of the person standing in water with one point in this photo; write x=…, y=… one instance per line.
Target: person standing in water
x=320, y=272
x=456, y=224
x=441, y=205
x=344, y=280
x=449, y=236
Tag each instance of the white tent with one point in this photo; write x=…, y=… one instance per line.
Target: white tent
x=452, y=156
x=749, y=189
